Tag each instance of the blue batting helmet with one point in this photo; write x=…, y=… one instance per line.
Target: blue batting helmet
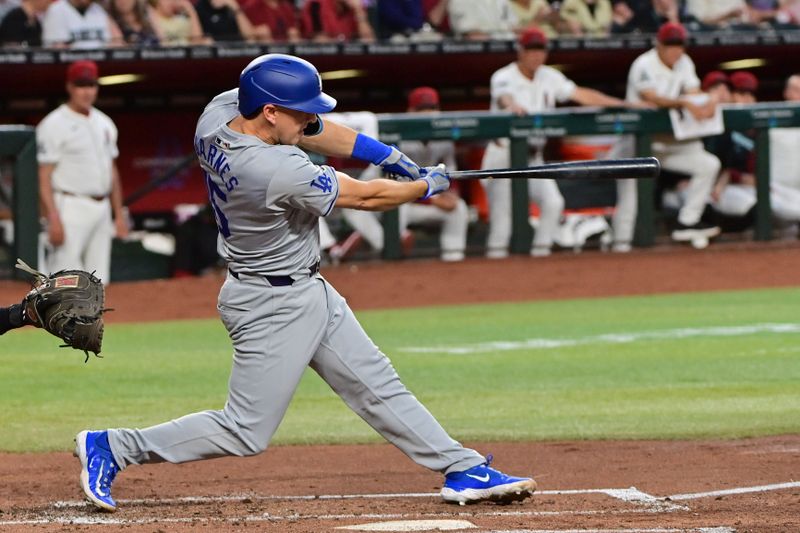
x=282, y=80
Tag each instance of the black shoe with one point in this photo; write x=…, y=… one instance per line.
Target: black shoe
x=698, y=230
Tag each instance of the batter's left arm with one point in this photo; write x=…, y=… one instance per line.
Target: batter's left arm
x=120, y=220
x=337, y=140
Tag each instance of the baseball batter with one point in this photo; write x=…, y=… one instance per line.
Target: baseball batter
x=280, y=313
x=527, y=87
x=79, y=183
x=665, y=76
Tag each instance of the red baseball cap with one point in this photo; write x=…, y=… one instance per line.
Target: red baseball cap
x=672, y=33
x=533, y=38
x=715, y=77
x=423, y=97
x=744, y=81
x=82, y=71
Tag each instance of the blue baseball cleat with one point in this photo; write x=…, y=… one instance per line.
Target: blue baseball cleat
x=482, y=483
x=98, y=469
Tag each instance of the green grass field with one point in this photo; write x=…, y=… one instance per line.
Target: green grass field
x=723, y=364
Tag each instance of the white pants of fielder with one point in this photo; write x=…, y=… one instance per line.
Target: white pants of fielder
x=542, y=191
x=452, y=237
x=687, y=157
x=88, y=232
x=737, y=200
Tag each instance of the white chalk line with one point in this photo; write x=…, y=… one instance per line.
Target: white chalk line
x=734, y=491
x=103, y=519
x=606, y=338
x=630, y=494
x=652, y=504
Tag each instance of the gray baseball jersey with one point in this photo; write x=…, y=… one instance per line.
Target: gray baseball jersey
x=268, y=208
x=268, y=200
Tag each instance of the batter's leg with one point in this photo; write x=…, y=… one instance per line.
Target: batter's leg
x=271, y=351
x=356, y=370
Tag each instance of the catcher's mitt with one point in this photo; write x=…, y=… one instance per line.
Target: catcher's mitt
x=68, y=304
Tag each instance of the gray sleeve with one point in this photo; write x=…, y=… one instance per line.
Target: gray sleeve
x=303, y=185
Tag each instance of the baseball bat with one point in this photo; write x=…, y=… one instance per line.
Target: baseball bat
x=635, y=168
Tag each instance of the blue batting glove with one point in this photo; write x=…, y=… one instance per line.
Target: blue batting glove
x=436, y=178
x=399, y=166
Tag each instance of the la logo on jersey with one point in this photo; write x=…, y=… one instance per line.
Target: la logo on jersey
x=323, y=182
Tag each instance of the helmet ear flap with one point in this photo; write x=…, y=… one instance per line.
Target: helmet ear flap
x=314, y=128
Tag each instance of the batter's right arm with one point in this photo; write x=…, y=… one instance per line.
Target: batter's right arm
x=383, y=194
x=55, y=229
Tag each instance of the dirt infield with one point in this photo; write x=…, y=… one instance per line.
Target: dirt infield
x=711, y=486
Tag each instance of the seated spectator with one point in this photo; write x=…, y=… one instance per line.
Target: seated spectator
x=6, y=6
x=133, y=19
x=436, y=15
x=536, y=13
x=789, y=14
x=336, y=20
x=720, y=14
x=643, y=16
x=717, y=85
x=274, y=20
x=482, y=19
x=224, y=20
x=764, y=12
x=77, y=24
x=176, y=22
x=21, y=27
x=621, y=16
x=587, y=17
x=400, y=17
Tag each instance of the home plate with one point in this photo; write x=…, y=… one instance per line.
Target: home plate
x=412, y=525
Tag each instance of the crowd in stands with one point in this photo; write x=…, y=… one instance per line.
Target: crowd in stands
x=99, y=23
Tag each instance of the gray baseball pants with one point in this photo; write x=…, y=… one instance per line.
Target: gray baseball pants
x=276, y=333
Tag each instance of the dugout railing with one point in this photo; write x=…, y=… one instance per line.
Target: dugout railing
x=471, y=126
x=18, y=142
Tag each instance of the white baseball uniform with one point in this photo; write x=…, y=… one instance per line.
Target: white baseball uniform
x=547, y=88
x=648, y=72
x=62, y=23
x=83, y=149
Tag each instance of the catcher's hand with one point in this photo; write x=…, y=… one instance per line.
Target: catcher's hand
x=68, y=304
